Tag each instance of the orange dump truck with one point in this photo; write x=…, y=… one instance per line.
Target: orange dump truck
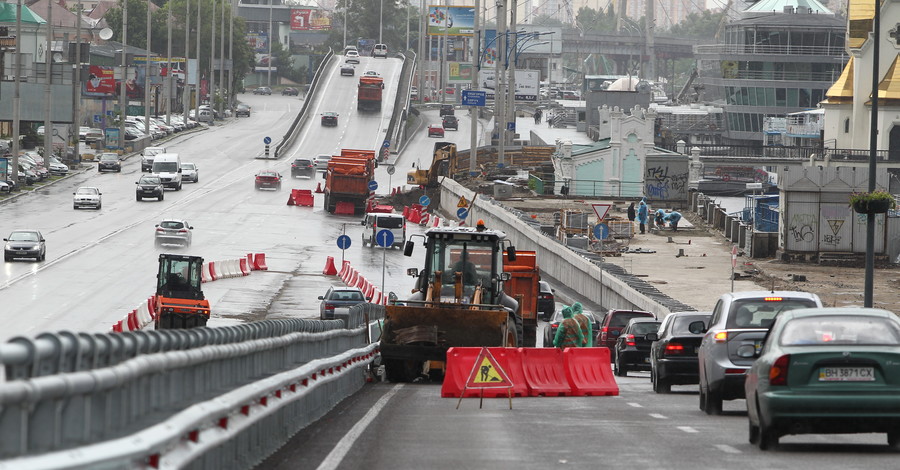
x=347, y=180
x=368, y=95
x=523, y=286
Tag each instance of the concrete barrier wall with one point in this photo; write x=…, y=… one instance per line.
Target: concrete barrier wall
x=556, y=260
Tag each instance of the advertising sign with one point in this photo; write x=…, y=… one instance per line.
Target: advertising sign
x=458, y=72
x=526, y=84
x=259, y=42
x=490, y=49
x=458, y=21
x=101, y=82
x=304, y=19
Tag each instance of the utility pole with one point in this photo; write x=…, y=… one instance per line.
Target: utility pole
x=76, y=110
x=123, y=97
x=420, y=58
x=16, y=95
x=473, y=110
x=444, y=52
x=147, y=77
x=212, y=60
x=186, y=88
x=511, y=82
x=222, y=85
x=231, y=57
x=48, y=96
x=499, y=107
x=651, y=52
x=199, y=74
x=269, y=82
x=168, y=65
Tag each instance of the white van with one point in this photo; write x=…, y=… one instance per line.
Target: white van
x=378, y=221
x=380, y=51
x=168, y=167
x=147, y=157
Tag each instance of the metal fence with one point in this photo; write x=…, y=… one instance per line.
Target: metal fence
x=293, y=131
x=203, y=397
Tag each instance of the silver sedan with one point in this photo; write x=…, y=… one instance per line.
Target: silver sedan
x=173, y=232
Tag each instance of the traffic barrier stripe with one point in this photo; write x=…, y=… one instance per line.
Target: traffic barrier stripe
x=250, y=262
x=544, y=372
x=204, y=273
x=376, y=299
x=330, y=269
x=260, y=262
x=437, y=222
x=588, y=372
x=212, y=271
x=245, y=270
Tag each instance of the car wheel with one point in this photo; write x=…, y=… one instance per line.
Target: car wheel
x=161, y=196
x=618, y=368
x=893, y=438
x=713, y=404
x=768, y=437
x=43, y=256
x=137, y=198
x=659, y=385
x=98, y=206
x=702, y=401
x=178, y=188
x=752, y=431
x=74, y=207
x=7, y=258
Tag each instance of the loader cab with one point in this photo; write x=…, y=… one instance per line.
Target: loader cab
x=179, y=276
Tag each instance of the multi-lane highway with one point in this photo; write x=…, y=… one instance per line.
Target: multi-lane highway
x=100, y=264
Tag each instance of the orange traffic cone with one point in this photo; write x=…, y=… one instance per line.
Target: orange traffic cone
x=319, y=188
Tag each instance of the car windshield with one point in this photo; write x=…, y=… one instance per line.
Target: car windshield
x=87, y=191
x=165, y=167
x=840, y=330
x=389, y=222
x=172, y=224
x=643, y=328
x=23, y=237
x=109, y=156
x=621, y=319
x=682, y=323
x=187, y=166
x=760, y=313
x=148, y=180
x=347, y=295
x=302, y=162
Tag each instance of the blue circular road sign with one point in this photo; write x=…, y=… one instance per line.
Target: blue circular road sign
x=601, y=231
x=267, y=140
x=343, y=242
x=387, y=143
x=373, y=185
x=424, y=200
x=462, y=213
x=384, y=238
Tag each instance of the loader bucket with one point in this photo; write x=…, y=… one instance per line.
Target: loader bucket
x=429, y=331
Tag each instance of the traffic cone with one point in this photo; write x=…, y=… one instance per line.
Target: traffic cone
x=330, y=269
x=393, y=191
x=319, y=188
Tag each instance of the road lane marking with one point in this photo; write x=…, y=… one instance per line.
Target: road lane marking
x=687, y=429
x=657, y=416
x=635, y=405
x=727, y=449
x=336, y=456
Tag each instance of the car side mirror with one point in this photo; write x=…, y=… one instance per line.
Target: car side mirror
x=321, y=297
x=511, y=253
x=697, y=327
x=651, y=337
x=362, y=223
x=747, y=351
x=412, y=272
x=505, y=277
x=190, y=227
x=408, y=248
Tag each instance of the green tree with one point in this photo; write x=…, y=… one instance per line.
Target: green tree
x=362, y=22
x=698, y=25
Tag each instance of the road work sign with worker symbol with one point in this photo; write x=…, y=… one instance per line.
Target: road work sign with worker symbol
x=487, y=373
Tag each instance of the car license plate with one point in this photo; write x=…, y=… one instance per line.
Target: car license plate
x=847, y=374
x=647, y=359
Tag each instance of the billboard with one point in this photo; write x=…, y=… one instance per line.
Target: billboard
x=459, y=21
x=459, y=72
x=527, y=82
x=259, y=42
x=305, y=19
x=101, y=82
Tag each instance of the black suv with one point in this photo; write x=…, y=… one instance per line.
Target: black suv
x=546, y=302
x=447, y=109
x=302, y=167
x=633, y=346
x=450, y=122
x=149, y=186
x=109, y=161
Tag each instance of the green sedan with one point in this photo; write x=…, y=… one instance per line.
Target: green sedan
x=825, y=371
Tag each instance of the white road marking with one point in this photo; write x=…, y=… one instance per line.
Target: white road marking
x=727, y=449
x=657, y=416
x=687, y=429
x=635, y=405
x=336, y=456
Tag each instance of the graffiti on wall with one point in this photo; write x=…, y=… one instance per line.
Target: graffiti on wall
x=664, y=183
x=803, y=227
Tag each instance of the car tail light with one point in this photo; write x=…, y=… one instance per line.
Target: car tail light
x=603, y=333
x=674, y=349
x=778, y=373
x=554, y=324
x=773, y=299
x=629, y=340
x=258, y=178
x=184, y=230
x=160, y=230
x=329, y=306
x=735, y=371
x=720, y=336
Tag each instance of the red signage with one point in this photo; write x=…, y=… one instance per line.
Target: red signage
x=305, y=19
x=100, y=81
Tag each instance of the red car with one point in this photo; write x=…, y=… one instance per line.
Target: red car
x=269, y=179
x=435, y=130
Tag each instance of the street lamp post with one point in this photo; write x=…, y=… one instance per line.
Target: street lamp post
x=222, y=85
x=231, y=56
x=511, y=72
x=147, y=76
x=499, y=109
x=123, y=98
x=212, y=60
x=199, y=74
x=168, y=65
x=473, y=110
x=380, y=19
x=186, y=87
x=76, y=111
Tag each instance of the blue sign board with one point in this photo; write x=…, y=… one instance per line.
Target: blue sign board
x=98, y=118
x=511, y=126
x=386, y=144
x=473, y=98
x=601, y=231
x=373, y=185
x=267, y=140
x=112, y=138
x=343, y=242
x=462, y=213
x=384, y=238
x=424, y=200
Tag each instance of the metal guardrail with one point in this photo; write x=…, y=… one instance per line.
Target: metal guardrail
x=769, y=49
x=71, y=391
x=292, y=132
x=401, y=101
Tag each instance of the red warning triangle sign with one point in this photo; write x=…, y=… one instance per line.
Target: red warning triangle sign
x=487, y=373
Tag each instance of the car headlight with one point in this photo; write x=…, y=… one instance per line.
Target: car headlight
x=35, y=246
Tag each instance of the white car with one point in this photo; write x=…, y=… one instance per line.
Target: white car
x=87, y=196
x=321, y=161
x=173, y=232
x=351, y=57
x=190, y=172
